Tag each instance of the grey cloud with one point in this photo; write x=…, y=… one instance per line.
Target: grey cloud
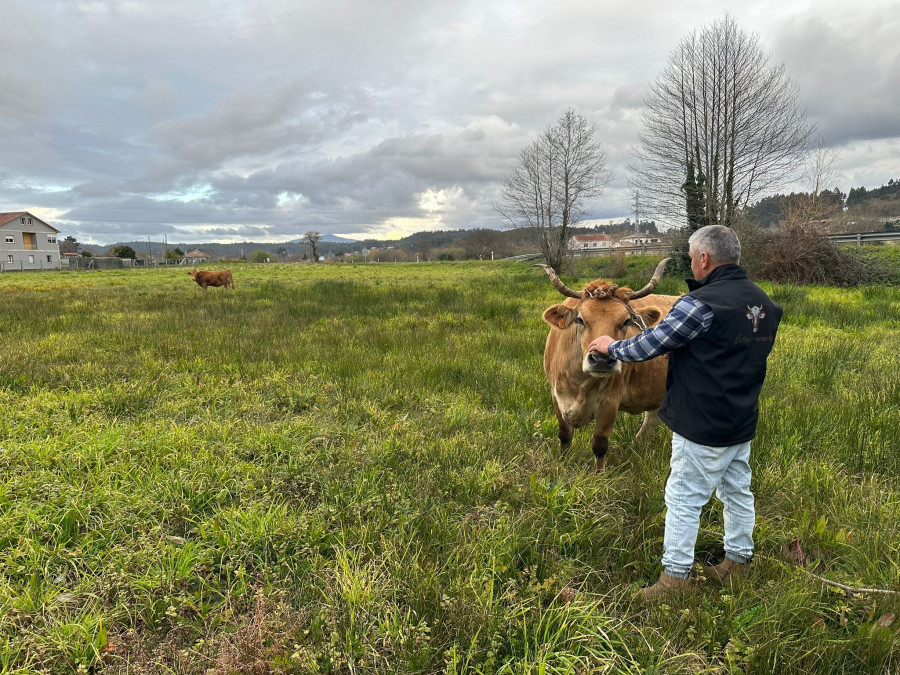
x=849, y=71
x=160, y=98
x=250, y=124
x=355, y=109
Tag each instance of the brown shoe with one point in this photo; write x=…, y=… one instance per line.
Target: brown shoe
x=726, y=571
x=666, y=585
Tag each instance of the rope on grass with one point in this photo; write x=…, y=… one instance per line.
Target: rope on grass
x=836, y=584
x=850, y=589
x=800, y=560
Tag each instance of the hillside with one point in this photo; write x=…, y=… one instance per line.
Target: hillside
x=433, y=245
x=859, y=210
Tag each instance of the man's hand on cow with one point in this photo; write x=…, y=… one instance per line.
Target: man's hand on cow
x=601, y=344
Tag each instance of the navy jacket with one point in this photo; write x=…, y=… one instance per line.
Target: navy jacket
x=713, y=382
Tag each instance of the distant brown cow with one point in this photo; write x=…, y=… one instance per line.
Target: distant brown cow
x=218, y=278
x=589, y=386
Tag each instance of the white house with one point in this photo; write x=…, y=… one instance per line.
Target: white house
x=27, y=243
x=638, y=239
x=589, y=242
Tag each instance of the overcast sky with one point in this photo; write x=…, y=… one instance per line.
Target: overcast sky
x=236, y=120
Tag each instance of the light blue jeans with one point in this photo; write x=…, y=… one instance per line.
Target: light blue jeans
x=697, y=471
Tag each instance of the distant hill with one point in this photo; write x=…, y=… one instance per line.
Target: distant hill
x=429, y=245
x=330, y=238
x=861, y=209
x=885, y=193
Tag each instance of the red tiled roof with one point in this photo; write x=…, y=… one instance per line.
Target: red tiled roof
x=11, y=216
x=7, y=217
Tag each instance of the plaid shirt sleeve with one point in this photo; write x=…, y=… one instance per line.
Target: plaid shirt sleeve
x=687, y=319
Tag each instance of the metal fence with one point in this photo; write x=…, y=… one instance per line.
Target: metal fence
x=642, y=249
x=860, y=238
x=99, y=263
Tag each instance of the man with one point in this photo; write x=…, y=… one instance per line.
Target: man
x=718, y=338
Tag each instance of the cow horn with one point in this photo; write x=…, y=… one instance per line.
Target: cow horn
x=654, y=280
x=559, y=285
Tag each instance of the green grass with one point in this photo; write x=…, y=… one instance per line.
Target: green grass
x=882, y=262
x=355, y=469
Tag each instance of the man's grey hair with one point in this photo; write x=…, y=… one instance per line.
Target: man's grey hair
x=720, y=243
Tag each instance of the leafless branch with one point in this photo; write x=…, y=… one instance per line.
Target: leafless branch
x=557, y=173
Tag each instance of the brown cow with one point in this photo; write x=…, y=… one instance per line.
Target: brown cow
x=591, y=386
x=218, y=278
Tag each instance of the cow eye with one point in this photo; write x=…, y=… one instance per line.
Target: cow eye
x=579, y=320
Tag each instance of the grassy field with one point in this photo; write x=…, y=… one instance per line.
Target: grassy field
x=354, y=469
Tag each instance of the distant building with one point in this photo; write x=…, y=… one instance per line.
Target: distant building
x=27, y=243
x=196, y=257
x=589, y=242
x=638, y=239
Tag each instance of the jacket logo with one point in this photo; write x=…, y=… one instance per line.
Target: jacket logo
x=755, y=314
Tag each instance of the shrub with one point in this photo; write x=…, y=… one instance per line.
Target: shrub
x=618, y=266
x=800, y=253
x=882, y=263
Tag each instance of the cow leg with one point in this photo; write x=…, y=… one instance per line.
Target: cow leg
x=600, y=446
x=606, y=417
x=651, y=421
x=566, y=430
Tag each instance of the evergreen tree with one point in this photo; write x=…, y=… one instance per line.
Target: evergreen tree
x=69, y=245
x=123, y=251
x=693, y=193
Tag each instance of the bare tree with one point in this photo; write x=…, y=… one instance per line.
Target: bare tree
x=820, y=169
x=811, y=212
x=547, y=190
x=312, y=238
x=481, y=243
x=722, y=125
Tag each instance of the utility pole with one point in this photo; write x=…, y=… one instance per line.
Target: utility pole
x=166, y=239
x=149, y=250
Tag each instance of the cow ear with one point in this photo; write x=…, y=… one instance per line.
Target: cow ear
x=650, y=315
x=559, y=316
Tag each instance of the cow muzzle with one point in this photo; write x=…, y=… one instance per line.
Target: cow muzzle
x=600, y=365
